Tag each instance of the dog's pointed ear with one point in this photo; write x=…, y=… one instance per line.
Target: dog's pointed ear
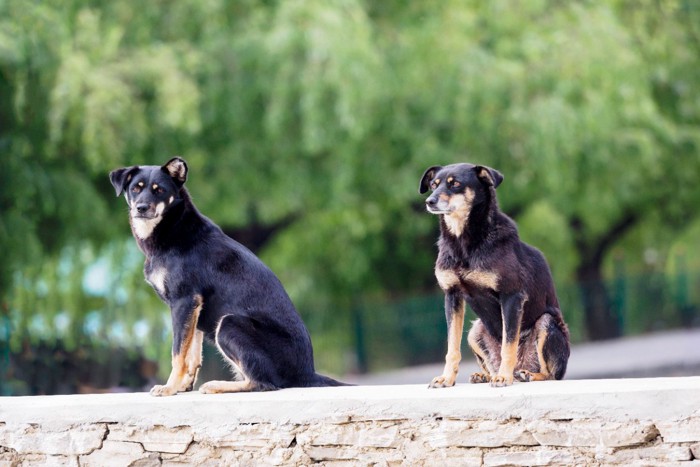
x=428, y=176
x=120, y=178
x=488, y=175
x=177, y=169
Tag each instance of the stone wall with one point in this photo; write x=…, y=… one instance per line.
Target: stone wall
x=604, y=422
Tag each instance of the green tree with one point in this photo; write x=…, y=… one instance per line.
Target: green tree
x=307, y=125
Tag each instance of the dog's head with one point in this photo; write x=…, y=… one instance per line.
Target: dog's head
x=456, y=189
x=150, y=190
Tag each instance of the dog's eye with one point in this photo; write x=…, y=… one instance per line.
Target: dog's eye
x=456, y=184
x=136, y=189
x=160, y=190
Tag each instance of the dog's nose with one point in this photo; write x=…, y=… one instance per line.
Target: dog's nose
x=141, y=208
x=431, y=202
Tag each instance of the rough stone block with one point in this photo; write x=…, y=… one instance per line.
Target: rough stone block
x=41, y=460
x=363, y=434
x=379, y=436
x=197, y=454
x=254, y=436
x=695, y=449
x=287, y=456
x=8, y=458
x=536, y=456
x=683, y=431
x=115, y=453
x=647, y=455
x=591, y=433
x=154, y=439
x=352, y=454
x=331, y=453
x=32, y=439
x=486, y=433
x=453, y=457
x=151, y=460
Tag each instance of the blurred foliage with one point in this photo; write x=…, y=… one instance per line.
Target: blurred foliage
x=327, y=113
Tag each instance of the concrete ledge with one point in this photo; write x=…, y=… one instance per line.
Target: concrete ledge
x=627, y=421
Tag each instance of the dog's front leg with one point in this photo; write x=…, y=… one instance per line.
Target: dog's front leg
x=187, y=348
x=454, y=312
x=511, y=314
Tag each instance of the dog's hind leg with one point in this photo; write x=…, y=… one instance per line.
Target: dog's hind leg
x=477, y=340
x=187, y=349
x=552, y=352
x=512, y=313
x=454, y=311
x=262, y=352
x=232, y=346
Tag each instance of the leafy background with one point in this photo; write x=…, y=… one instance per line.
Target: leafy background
x=306, y=126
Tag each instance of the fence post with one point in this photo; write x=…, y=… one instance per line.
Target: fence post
x=684, y=309
x=360, y=346
x=619, y=290
x=4, y=350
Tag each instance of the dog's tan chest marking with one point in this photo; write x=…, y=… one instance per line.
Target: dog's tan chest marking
x=460, y=208
x=480, y=278
x=448, y=278
x=157, y=279
x=143, y=228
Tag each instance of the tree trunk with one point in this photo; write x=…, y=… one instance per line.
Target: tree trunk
x=601, y=320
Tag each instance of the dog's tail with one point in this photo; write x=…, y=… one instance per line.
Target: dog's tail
x=324, y=381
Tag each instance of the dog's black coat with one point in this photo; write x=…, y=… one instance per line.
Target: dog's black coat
x=506, y=282
x=208, y=279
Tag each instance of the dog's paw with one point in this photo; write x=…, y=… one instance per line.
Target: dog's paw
x=500, y=381
x=523, y=376
x=442, y=381
x=477, y=378
x=211, y=387
x=163, y=390
x=187, y=384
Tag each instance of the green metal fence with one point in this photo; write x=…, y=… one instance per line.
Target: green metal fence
x=44, y=354
x=413, y=330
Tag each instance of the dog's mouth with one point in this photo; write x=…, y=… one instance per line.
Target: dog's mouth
x=144, y=216
x=437, y=210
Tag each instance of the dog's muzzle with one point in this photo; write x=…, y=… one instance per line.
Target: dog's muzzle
x=144, y=211
x=434, y=205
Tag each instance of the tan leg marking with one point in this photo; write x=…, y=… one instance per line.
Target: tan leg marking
x=544, y=374
x=454, y=354
x=509, y=353
x=185, y=362
x=217, y=387
x=509, y=357
x=193, y=360
x=481, y=357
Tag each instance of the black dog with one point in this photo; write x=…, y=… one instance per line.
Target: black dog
x=215, y=287
x=520, y=331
